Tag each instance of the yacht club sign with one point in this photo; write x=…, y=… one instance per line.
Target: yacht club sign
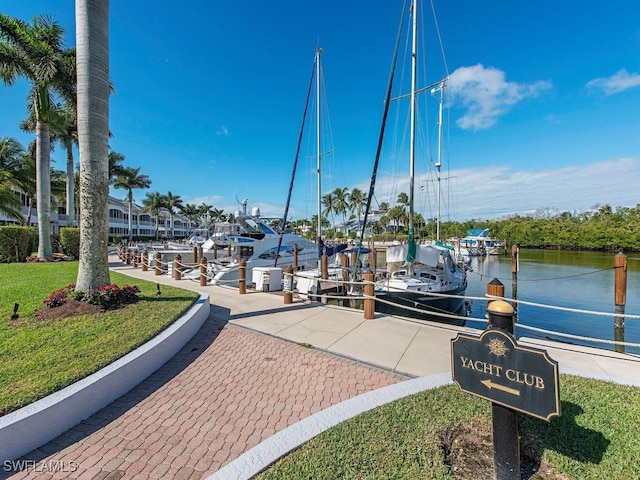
x=494, y=367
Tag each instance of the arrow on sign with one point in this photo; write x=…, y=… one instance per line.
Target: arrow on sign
x=497, y=386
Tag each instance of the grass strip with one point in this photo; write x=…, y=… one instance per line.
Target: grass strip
x=597, y=436
x=40, y=357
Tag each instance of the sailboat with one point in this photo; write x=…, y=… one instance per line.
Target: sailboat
x=312, y=276
x=429, y=281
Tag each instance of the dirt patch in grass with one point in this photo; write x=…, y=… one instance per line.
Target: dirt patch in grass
x=70, y=308
x=468, y=450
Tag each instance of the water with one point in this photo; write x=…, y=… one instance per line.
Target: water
x=577, y=280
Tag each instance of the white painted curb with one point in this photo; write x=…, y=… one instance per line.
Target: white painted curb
x=36, y=424
x=283, y=442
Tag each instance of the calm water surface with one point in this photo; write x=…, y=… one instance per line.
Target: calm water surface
x=579, y=280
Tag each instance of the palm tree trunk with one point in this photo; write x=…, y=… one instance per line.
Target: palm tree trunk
x=92, y=40
x=71, y=209
x=43, y=190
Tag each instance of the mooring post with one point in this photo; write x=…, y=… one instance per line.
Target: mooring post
x=295, y=258
x=195, y=255
x=373, y=260
x=203, y=272
x=344, y=269
x=288, y=285
x=145, y=260
x=177, y=267
x=369, y=292
x=157, y=269
x=324, y=267
x=506, y=443
x=620, y=299
x=495, y=288
x=242, y=277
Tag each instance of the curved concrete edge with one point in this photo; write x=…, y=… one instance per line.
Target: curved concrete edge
x=264, y=454
x=36, y=424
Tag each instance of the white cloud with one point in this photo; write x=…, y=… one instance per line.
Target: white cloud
x=224, y=131
x=485, y=93
x=495, y=192
x=618, y=82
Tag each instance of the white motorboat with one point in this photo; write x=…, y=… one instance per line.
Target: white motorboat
x=259, y=245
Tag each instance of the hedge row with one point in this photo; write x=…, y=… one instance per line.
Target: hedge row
x=16, y=243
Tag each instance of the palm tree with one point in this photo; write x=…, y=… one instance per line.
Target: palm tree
x=190, y=210
x=92, y=40
x=66, y=133
x=63, y=129
x=403, y=199
x=329, y=207
x=397, y=215
x=13, y=176
x=129, y=180
x=28, y=181
x=205, y=211
x=153, y=203
x=171, y=203
x=217, y=215
x=341, y=204
x=357, y=201
x=37, y=53
x=9, y=201
x=115, y=165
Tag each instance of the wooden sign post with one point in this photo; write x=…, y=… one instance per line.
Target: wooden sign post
x=514, y=378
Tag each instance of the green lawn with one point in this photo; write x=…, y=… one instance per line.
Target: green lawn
x=597, y=437
x=39, y=357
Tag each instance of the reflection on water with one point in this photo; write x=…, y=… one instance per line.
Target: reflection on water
x=577, y=280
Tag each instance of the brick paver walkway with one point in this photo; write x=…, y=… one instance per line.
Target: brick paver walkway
x=224, y=393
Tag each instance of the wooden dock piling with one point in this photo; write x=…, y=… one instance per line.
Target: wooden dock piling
x=620, y=299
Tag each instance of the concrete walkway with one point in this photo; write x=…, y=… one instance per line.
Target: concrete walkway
x=249, y=374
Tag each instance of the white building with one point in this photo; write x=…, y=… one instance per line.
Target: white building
x=143, y=223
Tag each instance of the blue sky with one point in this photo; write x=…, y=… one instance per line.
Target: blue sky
x=542, y=106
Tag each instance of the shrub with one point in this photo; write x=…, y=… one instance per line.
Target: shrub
x=57, y=298
x=70, y=241
x=16, y=243
x=108, y=296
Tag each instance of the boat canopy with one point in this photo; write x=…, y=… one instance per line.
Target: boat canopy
x=329, y=250
x=425, y=254
x=478, y=232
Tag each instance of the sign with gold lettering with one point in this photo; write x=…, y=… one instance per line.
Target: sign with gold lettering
x=494, y=367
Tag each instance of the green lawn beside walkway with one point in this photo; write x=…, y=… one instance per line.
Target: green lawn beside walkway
x=38, y=357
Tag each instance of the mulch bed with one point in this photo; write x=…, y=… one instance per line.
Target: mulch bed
x=468, y=450
x=70, y=308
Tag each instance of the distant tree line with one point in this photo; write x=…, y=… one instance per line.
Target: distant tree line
x=600, y=228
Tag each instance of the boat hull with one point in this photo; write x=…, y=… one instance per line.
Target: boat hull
x=404, y=304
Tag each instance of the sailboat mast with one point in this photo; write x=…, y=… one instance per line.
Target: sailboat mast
x=319, y=147
x=439, y=163
x=412, y=151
